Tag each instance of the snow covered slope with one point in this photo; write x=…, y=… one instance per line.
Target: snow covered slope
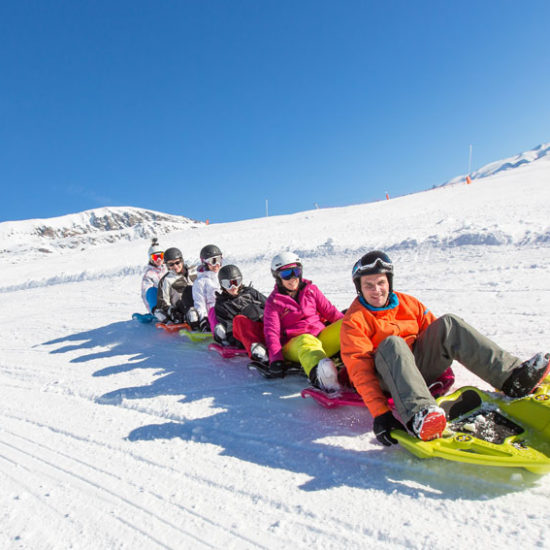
x=113, y=435
x=541, y=152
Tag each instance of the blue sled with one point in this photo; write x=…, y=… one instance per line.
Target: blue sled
x=143, y=317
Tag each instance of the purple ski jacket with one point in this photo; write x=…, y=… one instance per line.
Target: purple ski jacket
x=285, y=317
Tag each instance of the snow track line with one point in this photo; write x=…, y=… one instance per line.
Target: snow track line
x=98, y=488
x=184, y=509
x=276, y=508
x=25, y=486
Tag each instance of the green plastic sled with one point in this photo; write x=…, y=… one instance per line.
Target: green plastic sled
x=196, y=336
x=490, y=429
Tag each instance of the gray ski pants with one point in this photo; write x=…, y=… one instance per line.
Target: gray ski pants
x=406, y=374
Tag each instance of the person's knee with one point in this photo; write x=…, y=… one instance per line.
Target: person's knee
x=391, y=342
x=307, y=340
x=450, y=323
x=451, y=320
x=239, y=320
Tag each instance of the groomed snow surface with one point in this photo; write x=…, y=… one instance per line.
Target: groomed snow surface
x=115, y=435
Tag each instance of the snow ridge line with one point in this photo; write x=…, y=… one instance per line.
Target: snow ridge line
x=328, y=248
x=75, y=278
x=469, y=236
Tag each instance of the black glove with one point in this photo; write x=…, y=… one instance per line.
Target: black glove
x=204, y=325
x=277, y=368
x=383, y=425
x=175, y=315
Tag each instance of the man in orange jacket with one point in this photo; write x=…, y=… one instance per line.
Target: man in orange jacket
x=392, y=345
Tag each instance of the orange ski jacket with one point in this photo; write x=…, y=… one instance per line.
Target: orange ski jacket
x=363, y=329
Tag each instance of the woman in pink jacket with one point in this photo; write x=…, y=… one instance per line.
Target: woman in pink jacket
x=294, y=324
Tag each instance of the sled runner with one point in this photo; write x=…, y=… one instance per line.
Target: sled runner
x=263, y=369
x=490, y=429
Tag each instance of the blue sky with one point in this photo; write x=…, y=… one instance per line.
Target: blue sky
x=207, y=108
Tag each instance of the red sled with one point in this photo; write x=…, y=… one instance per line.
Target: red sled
x=349, y=397
x=173, y=328
x=227, y=352
x=334, y=399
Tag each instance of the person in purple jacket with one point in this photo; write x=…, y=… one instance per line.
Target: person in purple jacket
x=295, y=329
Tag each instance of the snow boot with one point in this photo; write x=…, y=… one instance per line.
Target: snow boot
x=192, y=318
x=527, y=377
x=428, y=423
x=325, y=375
x=258, y=352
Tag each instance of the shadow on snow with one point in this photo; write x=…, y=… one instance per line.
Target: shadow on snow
x=266, y=422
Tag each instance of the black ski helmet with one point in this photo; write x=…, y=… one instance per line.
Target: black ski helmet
x=371, y=263
x=172, y=254
x=209, y=251
x=229, y=273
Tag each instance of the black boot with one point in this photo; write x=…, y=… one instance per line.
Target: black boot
x=526, y=378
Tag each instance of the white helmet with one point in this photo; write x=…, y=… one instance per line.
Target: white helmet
x=282, y=259
x=155, y=248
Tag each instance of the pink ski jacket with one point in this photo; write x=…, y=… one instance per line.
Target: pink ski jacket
x=285, y=317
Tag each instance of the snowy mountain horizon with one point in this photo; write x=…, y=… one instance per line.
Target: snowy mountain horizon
x=91, y=227
x=110, y=224
x=541, y=151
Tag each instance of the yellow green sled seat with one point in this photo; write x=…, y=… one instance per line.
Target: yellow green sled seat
x=491, y=429
x=196, y=336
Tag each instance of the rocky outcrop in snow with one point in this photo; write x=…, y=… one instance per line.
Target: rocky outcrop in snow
x=91, y=227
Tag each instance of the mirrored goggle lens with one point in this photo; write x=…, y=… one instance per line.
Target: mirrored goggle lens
x=157, y=257
x=175, y=262
x=228, y=283
x=215, y=260
x=358, y=268
x=290, y=272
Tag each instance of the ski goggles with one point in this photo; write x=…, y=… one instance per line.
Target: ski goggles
x=157, y=256
x=174, y=263
x=214, y=260
x=290, y=272
x=231, y=283
x=378, y=263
